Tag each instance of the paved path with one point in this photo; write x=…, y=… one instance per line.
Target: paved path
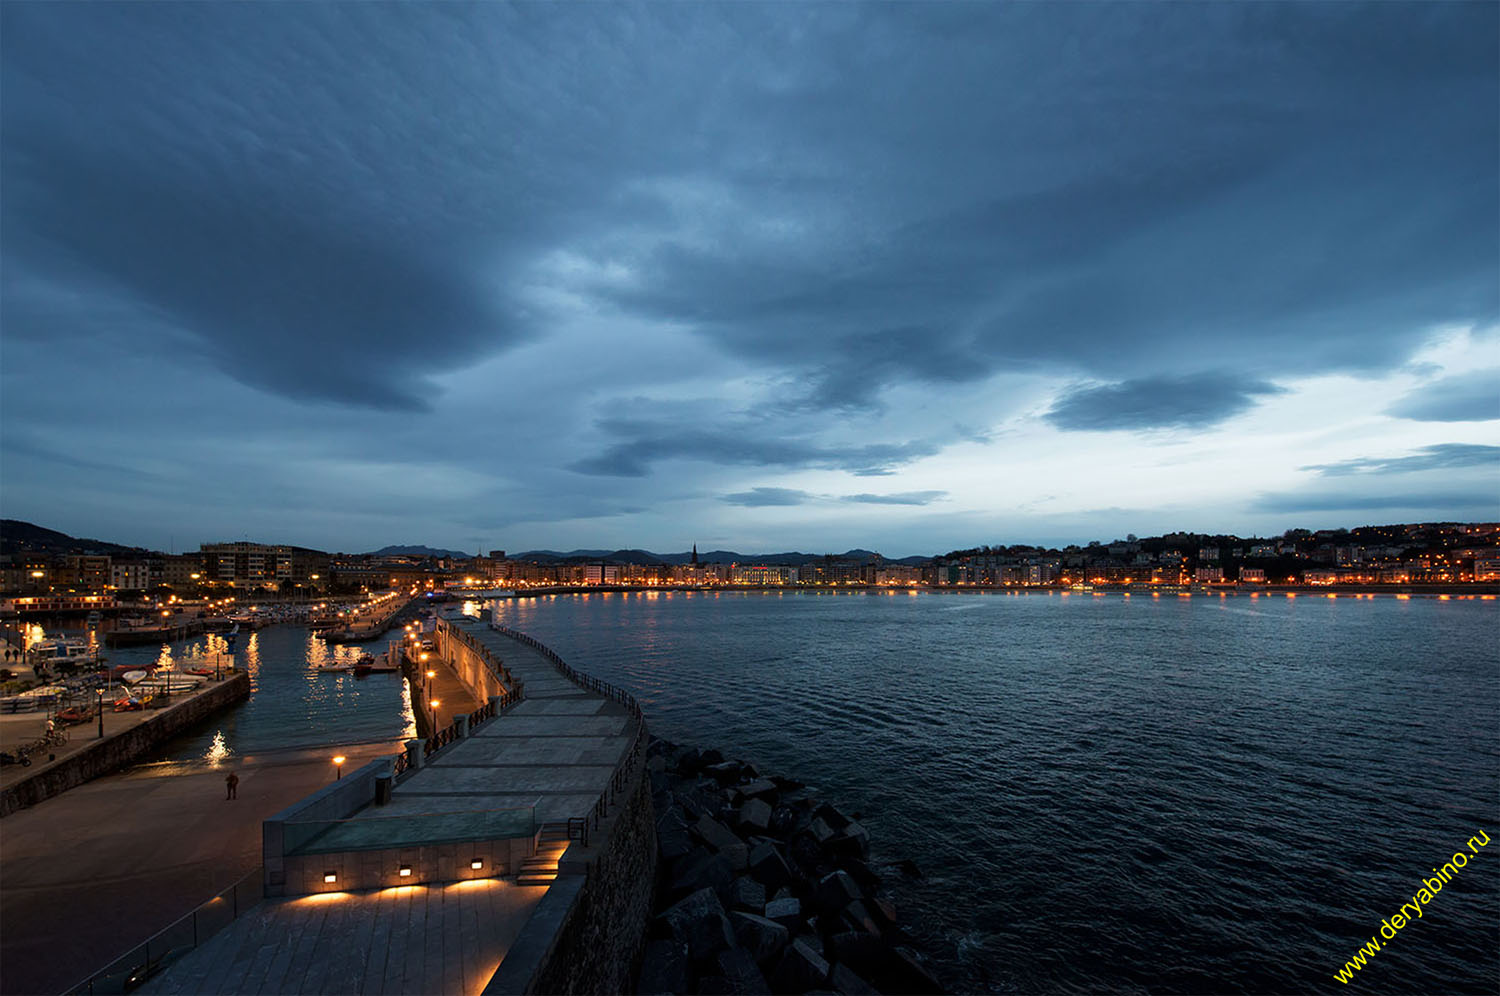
x=412, y=939
x=90, y=873
x=556, y=749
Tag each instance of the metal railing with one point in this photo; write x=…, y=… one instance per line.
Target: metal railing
x=580, y=826
x=144, y=960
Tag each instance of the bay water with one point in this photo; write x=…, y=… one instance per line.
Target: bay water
x=1111, y=794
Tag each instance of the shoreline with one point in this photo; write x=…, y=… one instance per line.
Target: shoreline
x=1463, y=592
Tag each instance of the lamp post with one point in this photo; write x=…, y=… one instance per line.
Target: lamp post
x=338, y=765
x=434, y=703
x=100, y=693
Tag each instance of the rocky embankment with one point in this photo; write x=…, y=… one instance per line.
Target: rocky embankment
x=763, y=889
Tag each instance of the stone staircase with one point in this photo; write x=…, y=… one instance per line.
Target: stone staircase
x=542, y=868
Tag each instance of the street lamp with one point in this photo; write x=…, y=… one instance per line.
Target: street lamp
x=435, y=703
x=338, y=765
x=100, y=693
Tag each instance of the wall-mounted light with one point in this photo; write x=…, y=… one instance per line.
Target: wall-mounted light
x=477, y=864
x=404, y=871
x=330, y=877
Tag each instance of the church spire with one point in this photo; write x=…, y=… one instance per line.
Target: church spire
x=695, y=554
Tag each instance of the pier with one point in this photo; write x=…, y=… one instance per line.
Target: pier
x=479, y=860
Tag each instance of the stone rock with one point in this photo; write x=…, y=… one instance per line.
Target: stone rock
x=711, y=757
x=783, y=822
x=821, y=831
x=853, y=840
x=857, y=916
x=747, y=894
x=885, y=910
x=689, y=762
x=844, y=981
x=769, y=867
x=861, y=951
x=713, y=985
x=837, y=890
x=905, y=973
x=801, y=968
x=744, y=975
x=725, y=772
x=831, y=816
x=698, y=921
x=787, y=784
x=722, y=839
x=660, y=782
x=755, y=815
x=787, y=912
x=700, y=869
x=672, y=842
x=806, y=855
x=758, y=787
x=863, y=874
x=655, y=764
x=664, y=969
x=763, y=938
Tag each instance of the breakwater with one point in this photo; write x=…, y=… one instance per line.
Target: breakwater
x=121, y=749
x=765, y=889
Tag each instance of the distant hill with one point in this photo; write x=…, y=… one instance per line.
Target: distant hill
x=26, y=537
x=418, y=551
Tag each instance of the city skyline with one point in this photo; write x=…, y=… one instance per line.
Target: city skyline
x=901, y=278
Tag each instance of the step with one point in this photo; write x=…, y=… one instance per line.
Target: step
x=524, y=879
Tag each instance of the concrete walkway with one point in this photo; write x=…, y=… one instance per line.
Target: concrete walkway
x=555, y=751
x=412, y=939
x=89, y=874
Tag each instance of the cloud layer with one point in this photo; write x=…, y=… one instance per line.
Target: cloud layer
x=547, y=267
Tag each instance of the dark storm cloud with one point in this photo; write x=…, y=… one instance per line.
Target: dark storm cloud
x=769, y=497
x=1472, y=397
x=898, y=498
x=1442, y=456
x=297, y=304
x=1192, y=402
x=648, y=441
x=327, y=195
x=1227, y=195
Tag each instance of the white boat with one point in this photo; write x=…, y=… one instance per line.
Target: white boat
x=67, y=652
x=131, y=677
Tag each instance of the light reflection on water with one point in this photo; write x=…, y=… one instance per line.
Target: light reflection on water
x=292, y=704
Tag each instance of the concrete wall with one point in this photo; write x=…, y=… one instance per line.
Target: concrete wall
x=587, y=934
x=121, y=749
x=467, y=665
x=304, y=873
x=337, y=800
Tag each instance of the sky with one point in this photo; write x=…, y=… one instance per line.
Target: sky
x=756, y=276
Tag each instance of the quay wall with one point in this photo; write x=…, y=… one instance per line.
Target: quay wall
x=121, y=749
x=588, y=932
x=467, y=663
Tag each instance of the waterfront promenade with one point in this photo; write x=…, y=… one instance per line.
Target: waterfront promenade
x=90, y=873
x=554, y=754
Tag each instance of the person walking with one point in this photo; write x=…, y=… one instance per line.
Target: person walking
x=232, y=783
